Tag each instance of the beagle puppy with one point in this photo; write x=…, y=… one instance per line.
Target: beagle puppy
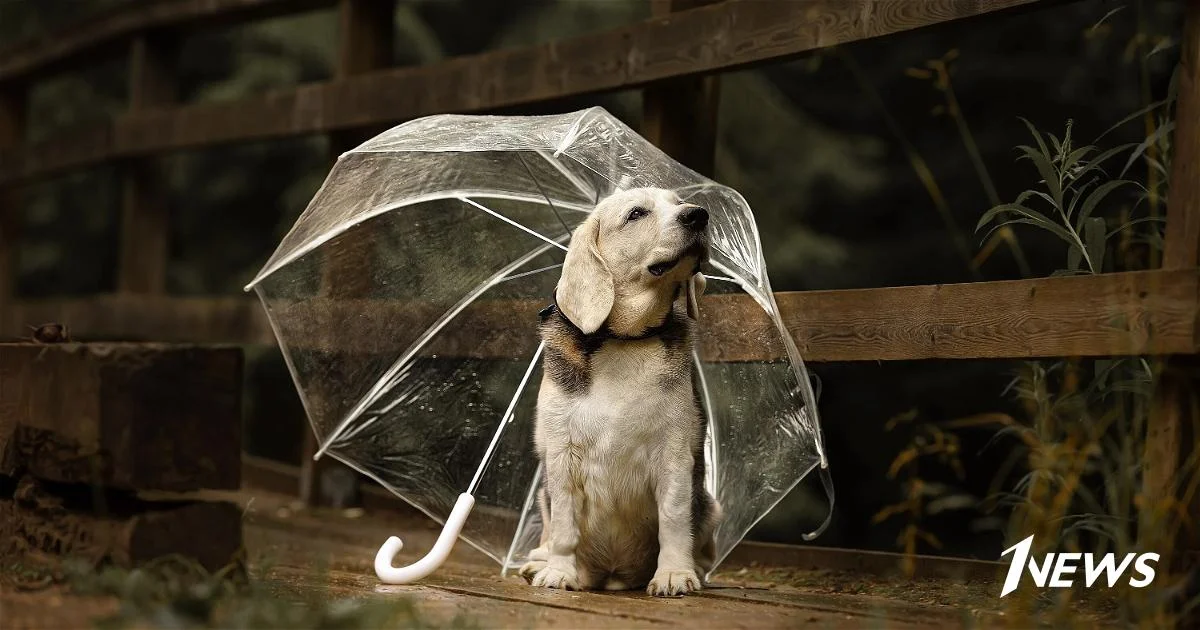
x=619, y=429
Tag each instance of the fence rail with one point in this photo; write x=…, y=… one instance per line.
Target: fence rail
x=708, y=39
x=1149, y=312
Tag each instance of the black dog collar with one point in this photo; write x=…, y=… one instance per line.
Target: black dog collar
x=605, y=332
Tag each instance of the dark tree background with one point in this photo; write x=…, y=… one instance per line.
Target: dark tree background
x=823, y=148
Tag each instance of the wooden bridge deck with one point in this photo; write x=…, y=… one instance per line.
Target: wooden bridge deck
x=305, y=555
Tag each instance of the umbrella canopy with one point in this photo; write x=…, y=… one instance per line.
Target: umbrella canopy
x=405, y=302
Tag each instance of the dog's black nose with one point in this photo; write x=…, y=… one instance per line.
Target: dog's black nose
x=694, y=218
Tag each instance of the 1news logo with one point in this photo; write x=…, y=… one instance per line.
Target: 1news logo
x=1058, y=569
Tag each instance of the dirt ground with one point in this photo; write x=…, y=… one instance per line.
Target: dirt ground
x=314, y=569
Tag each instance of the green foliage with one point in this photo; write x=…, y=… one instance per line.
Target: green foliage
x=1075, y=186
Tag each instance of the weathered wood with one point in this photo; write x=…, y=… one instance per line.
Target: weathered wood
x=709, y=39
x=107, y=33
x=139, y=318
x=680, y=115
x=129, y=416
x=1149, y=312
x=12, y=124
x=74, y=522
x=144, y=215
x=1183, y=210
x=1105, y=315
x=1174, y=423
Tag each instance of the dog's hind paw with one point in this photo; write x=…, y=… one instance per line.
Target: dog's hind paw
x=553, y=577
x=673, y=583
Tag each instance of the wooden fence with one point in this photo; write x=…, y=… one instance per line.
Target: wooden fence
x=676, y=58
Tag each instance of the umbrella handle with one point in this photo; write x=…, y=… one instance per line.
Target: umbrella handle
x=389, y=574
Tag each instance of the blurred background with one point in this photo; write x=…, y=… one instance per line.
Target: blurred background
x=867, y=165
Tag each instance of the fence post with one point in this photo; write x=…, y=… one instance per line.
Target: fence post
x=145, y=217
x=12, y=123
x=365, y=43
x=1174, y=421
x=680, y=115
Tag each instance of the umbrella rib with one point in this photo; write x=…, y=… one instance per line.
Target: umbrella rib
x=384, y=385
x=505, y=420
x=530, y=273
x=541, y=190
x=514, y=223
x=580, y=183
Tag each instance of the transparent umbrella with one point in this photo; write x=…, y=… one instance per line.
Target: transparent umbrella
x=405, y=302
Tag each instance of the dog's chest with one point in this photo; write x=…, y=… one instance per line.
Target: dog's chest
x=630, y=391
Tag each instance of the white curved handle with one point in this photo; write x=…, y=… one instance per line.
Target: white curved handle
x=389, y=574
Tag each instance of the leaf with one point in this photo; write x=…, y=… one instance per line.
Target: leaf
x=951, y=502
x=1163, y=44
x=1079, y=194
x=1092, y=28
x=1094, y=200
x=988, y=216
x=1049, y=175
x=1094, y=164
x=903, y=458
x=1045, y=224
x=1141, y=112
x=1074, y=158
x=1129, y=224
x=1150, y=140
x=1036, y=136
x=1035, y=193
x=1095, y=239
x=1056, y=143
x=1074, y=258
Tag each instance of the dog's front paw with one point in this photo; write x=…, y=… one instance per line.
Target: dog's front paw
x=555, y=577
x=530, y=569
x=668, y=583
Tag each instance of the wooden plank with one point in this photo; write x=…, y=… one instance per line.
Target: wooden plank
x=108, y=32
x=1183, y=210
x=76, y=522
x=725, y=36
x=679, y=115
x=129, y=416
x=1104, y=315
x=145, y=230
x=1174, y=423
x=1148, y=312
x=136, y=318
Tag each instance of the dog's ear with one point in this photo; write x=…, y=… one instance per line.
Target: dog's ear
x=585, y=291
x=695, y=289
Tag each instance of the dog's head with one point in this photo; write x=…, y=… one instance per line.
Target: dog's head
x=631, y=259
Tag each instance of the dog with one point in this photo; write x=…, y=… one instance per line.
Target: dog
x=618, y=428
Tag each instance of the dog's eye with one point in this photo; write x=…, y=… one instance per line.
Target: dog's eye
x=637, y=213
